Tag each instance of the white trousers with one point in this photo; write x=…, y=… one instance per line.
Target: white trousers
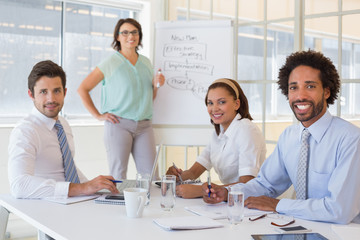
x=125, y=137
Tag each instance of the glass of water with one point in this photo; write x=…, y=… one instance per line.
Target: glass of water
x=235, y=205
x=144, y=181
x=168, y=194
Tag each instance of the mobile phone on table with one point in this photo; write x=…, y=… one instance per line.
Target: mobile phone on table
x=115, y=197
x=295, y=229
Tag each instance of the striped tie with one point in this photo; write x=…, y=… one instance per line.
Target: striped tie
x=69, y=166
x=301, y=189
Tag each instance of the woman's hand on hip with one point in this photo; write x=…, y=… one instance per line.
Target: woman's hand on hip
x=108, y=117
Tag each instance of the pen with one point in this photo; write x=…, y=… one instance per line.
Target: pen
x=209, y=183
x=158, y=84
x=179, y=175
x=257, y=218
x=116, y=181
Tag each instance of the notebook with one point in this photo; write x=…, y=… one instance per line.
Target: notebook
x=102, y=199
x=70, y=200
x=189, y=222
x=128, y=183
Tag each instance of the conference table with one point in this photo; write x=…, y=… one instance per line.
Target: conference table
x=90, y=220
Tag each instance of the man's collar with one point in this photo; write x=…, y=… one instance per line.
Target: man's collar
x=318, y=128
x=48, y=122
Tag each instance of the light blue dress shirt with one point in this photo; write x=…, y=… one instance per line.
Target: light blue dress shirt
x=333, y=176
x=127, y=89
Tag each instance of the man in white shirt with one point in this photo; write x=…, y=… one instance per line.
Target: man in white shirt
x=36, y=165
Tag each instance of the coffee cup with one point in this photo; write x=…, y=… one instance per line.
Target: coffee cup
x=135, y=199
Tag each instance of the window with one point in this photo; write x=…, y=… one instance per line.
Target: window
x=85, y=45
x=76, y=36
x=24, y=41
x=266, y=35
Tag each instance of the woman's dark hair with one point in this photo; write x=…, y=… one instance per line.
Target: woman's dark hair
x=45, y=68
x=116, y=44
x=328, y=74
x=244, y=106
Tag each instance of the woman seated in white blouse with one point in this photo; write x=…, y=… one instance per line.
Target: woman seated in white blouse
x=237, y=147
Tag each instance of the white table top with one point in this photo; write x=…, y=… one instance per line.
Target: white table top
x=88, y=220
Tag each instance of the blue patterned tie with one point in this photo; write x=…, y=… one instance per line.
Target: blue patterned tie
x=301, y=178
x=69, y=166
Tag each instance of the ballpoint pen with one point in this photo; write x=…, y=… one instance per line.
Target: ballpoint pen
x=209, y=183
x=116, y=181
x=158, y=84
x=257, y=218
x=179, y=175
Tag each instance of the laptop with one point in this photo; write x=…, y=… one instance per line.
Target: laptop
x=129, y=183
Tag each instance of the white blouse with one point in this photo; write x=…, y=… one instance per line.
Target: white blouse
x=238, y=151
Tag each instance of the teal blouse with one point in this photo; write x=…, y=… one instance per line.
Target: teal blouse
x=127, y=89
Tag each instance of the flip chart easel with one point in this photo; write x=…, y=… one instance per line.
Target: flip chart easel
x=191, y=55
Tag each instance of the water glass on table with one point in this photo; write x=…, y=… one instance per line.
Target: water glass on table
x=235, y=204
x=168, y=194
x=143, y=180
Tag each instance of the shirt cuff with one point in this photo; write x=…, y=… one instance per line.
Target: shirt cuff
x=204, y=163
x=61, y=189
x=283, y=205
x=248, y=171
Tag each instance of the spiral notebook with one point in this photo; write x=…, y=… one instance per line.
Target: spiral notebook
x=103, y=200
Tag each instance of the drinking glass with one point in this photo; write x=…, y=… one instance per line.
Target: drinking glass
x=168, y=186
x=144, y=181
x=235, y=205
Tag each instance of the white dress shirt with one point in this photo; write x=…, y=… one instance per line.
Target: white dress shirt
x=36, y=168
x=239, y=151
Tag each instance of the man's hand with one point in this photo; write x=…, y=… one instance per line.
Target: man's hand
x=217, y=193
x=93, y=186
x=262, y=203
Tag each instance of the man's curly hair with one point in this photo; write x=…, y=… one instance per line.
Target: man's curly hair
x=328, y=73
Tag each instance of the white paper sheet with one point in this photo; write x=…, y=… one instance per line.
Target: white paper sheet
x=219, y=211
x=346, y=232
x=70, y=200
x=189, y=222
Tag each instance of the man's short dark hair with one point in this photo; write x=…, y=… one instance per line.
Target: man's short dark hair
x=45, y=68
x=328, y=73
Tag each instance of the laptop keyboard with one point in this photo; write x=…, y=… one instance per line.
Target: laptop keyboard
x=126, y=184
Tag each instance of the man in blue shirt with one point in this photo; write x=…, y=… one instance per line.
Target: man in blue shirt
x=310, y=82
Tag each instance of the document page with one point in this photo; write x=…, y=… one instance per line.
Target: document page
x=219, y=211
x=70, y=200
x=182, y=223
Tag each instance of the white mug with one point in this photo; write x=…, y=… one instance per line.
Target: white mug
x=134, y=201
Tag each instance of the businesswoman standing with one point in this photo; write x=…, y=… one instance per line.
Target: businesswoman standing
x=128, y=90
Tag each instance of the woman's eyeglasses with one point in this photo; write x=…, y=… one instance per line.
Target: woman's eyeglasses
x=279, y=220
x=126, y=33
